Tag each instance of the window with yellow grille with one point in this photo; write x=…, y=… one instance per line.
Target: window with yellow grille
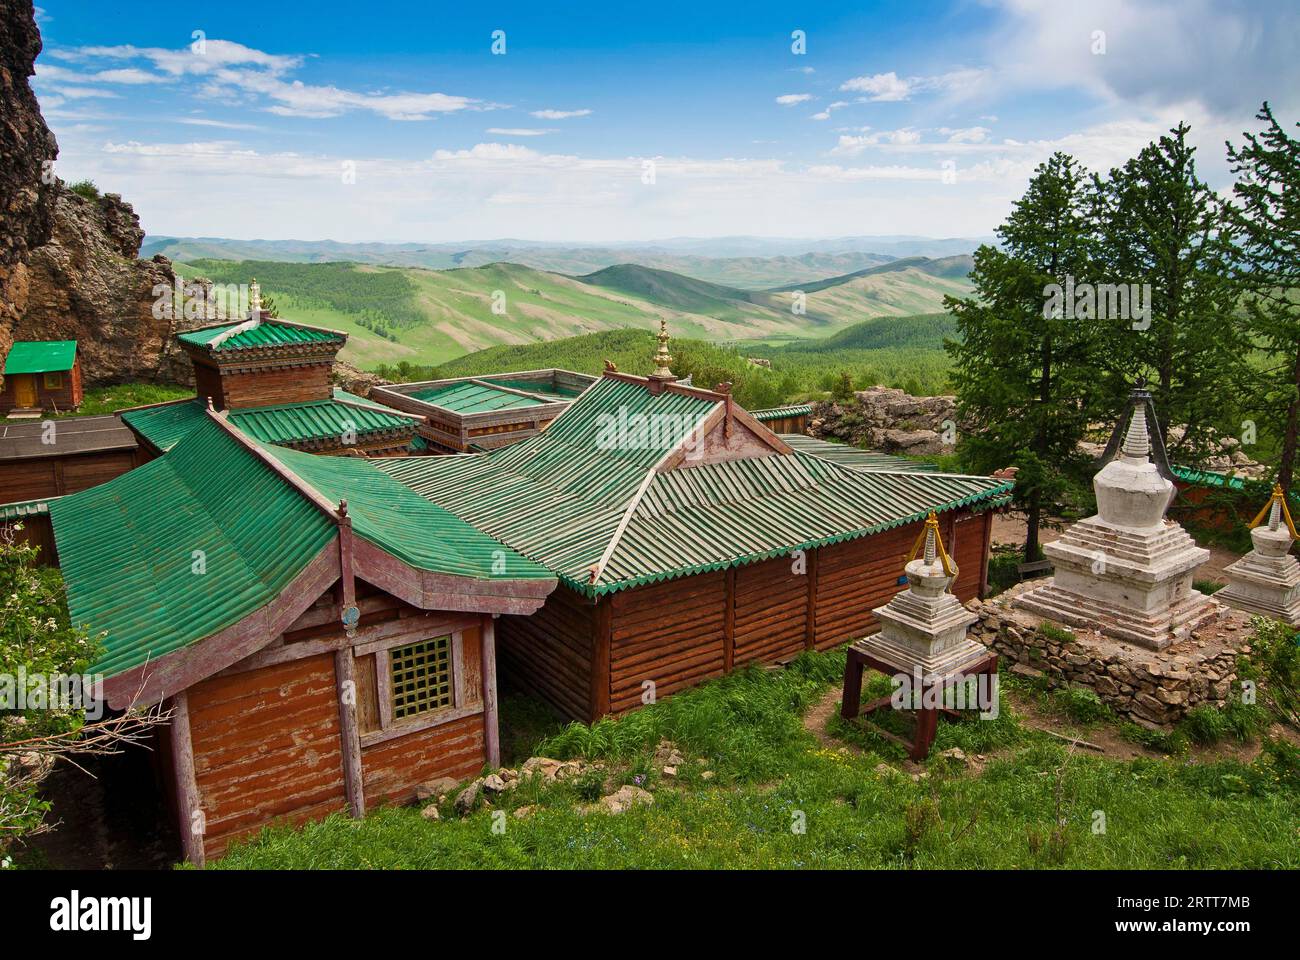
x=421, y=677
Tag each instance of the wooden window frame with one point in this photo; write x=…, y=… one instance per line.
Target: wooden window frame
x=391, y=727
x=58, y=380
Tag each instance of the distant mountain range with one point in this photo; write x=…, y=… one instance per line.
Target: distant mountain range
x=430, y=316
x=750, y=263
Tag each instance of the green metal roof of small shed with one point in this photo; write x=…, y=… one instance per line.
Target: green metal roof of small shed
x=165, y=425
x=470, y=397
x=20, y=509
x=127, y=547
x=568, y=498
x=266, y=333
x=41, y=356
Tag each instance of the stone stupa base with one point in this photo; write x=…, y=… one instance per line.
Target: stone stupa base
x=1265, y=597
x=904, y=659
x=1153, y=630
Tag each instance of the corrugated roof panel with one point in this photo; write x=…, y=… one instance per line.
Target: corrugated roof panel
x=267, y=333
x=130, y=548
x=41, y=356
x=559, y=497
x=164, y=426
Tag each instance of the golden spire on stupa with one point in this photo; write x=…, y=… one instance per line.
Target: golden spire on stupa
x=662, y=357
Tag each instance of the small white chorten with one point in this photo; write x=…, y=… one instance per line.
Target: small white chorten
x=1126, y=571
x=1266, y=581
x=923, y=628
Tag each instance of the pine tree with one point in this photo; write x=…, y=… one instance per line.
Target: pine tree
x=1027, y=373
x=1267, y=218
x=1162, y=225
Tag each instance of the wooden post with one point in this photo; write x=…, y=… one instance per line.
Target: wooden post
x=729, y=624
x=345, y=681
x=810, y=621
x=491, y=732
x=984, y=556
x=192, y=824
x=600, y=659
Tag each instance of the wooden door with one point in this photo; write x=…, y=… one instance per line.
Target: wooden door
x=25, y=390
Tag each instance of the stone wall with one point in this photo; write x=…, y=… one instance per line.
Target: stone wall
x=1153, y=689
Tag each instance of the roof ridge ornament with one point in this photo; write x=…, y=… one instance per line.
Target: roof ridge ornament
x=662, y=357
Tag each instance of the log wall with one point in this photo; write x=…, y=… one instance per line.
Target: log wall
x=681, y=632
x=550, y=653
x=266, y=748
x=55, y=476
x=667, y=633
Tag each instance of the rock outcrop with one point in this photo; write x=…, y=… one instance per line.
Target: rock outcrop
x=68, y=267
x=883, y=418
x=86, y=284
x=27, y=151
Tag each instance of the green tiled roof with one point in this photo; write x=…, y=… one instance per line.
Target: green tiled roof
x=165, y=425
x=265, y=333
x=565, y=500
x=780, y=413
x=41, y=356
x=854, y=457
x=127, y=546
x=474, y=397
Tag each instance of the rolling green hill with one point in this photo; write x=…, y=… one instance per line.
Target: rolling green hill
x=427, y=317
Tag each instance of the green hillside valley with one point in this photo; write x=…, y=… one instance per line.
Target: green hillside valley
x=422, y=317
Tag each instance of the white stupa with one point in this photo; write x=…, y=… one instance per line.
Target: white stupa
x=923, y=628
x=1128, y=570
x=1266, y=581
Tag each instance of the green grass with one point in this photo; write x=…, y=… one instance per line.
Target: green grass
x=772, y=776
x=101, y=400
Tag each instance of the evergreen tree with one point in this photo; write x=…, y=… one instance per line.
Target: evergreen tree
x=1161, y=225
x=1267, y=218
x=1025, y=370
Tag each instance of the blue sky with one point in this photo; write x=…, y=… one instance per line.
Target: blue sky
x=397, y=122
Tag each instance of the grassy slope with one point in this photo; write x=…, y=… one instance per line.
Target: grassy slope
x=427, y=317
x=772, y=774
x=101, y=400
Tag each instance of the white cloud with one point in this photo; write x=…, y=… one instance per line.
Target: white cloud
x=223, y=124
x=790, y=99
x=880, y=86
x=966, y=134
x=890, y=87
x=560, y=114
x=234, y=73
x=519, y=131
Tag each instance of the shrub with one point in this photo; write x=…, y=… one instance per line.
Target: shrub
x=85, y=188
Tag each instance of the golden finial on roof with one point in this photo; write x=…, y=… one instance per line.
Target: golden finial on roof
x=662, y=357
x=611, y=366
x=1277, y=510
x=254, y=300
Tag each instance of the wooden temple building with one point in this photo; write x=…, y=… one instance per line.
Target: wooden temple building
x=474, y=414
x=322, y=636
x=688, y=539
x=326, y=629
x=273, y=377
